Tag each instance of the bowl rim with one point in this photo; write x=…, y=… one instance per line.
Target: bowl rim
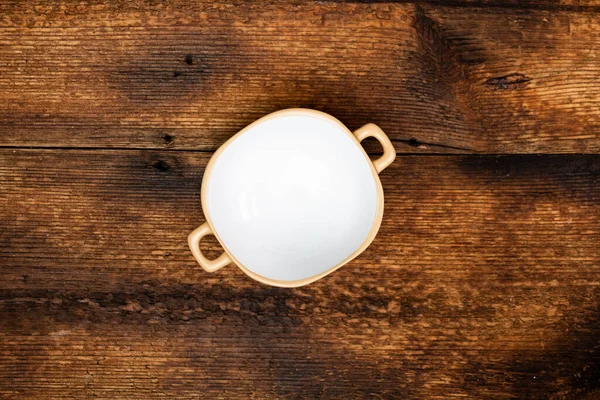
x=300, y=282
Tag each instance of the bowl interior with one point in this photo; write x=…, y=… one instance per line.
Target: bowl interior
x=292, y=197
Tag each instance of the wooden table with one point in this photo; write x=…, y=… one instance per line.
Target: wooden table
x=484, y=281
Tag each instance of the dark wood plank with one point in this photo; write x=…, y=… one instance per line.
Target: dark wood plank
x=550, y=5
x=530, y=78
x=482, y=283
x=187, y=75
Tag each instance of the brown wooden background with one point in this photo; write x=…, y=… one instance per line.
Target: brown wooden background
x=484, y=281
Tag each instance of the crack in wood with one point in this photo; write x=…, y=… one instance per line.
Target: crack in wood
x=508, y=82
x=422, y=145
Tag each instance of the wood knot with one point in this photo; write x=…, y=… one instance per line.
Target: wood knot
x=168, y=140
x=508, y=82
x=161, y=166
x=414, y=142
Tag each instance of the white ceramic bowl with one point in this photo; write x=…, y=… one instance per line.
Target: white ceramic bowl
x=292, y=197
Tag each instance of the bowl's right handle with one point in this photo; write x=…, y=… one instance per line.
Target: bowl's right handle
x=194, y=242
x=389, y=152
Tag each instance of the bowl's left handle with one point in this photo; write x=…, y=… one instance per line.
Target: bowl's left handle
x=194, y=242
x=389, y=152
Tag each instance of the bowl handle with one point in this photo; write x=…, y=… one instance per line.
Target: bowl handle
x=194, y=242
x=389, y=152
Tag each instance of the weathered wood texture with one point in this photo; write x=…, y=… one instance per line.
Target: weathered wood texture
x=484, y=282
x=572, y=5
x=187, y=75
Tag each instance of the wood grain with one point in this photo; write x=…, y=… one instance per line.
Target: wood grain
x=551, y=5
x=482, y=283
x=188, y=75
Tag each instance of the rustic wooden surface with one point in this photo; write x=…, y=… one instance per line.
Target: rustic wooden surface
x=484, y=281
x=185, y=75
